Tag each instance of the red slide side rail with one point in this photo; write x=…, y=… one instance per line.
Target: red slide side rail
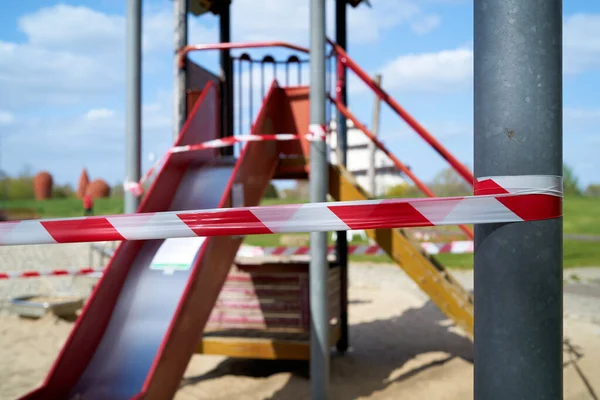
x=383, y=95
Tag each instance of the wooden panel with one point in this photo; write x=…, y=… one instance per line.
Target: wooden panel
x=269, y=297
x=451, y=298
x=262, y=347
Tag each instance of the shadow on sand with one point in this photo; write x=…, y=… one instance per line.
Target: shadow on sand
x=379, y=350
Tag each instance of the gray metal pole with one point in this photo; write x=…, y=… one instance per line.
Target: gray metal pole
x=180, y=79
x=319, y=177
x=518, y=267
x=133, y=131
x=372, y=148
x=341, y=149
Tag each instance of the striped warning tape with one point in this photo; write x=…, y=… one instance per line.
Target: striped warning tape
x=455, y=247
x=137, y=187
x=506, y=199
x=54, y=272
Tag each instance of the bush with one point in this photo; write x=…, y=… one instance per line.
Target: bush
x=62, y=191
x=593, y=190
x=17, y=188
x=271, y=192
x=117, y=191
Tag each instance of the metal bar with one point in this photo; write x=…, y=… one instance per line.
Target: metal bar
x=180, y=37
x=240, y=109
x=399, y=164
x=376, y=112
x=134, y=91
x=518, y=267
x=341, y=149
x=318, y=186
x=227, y=117
x=457, y=165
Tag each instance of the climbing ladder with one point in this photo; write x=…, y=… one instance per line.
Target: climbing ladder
x=431, y=276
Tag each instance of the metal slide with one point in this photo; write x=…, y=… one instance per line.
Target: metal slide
x=141, y=325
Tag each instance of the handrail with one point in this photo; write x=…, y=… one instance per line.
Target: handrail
x=383, y=95
x=229, y=46
x=399, y=164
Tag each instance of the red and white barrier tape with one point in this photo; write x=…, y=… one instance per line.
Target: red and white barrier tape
x=137, y=187
x=456, y=247
x=318, y=132
x=231, y=140
x=517, y=201
x=54, y=272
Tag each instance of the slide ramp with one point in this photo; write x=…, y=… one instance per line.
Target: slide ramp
x=146, y=316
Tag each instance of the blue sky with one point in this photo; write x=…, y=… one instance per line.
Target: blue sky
x=62, y=76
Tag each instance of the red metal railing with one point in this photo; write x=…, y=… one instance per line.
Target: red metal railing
x=229, y=46
x=383, y=95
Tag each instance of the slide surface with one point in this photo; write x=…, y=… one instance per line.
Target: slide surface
x=143, y=321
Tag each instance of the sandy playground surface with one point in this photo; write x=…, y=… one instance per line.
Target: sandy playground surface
x=402, y=347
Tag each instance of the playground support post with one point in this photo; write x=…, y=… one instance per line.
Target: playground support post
x=180, y=8
x=342, y=144
x=319, y=178
x=134, y=89
x=372, y=148
x=226, y=72
x=518, y=267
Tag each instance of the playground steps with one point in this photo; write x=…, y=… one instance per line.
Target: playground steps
x=263, y=312
x=450, y=297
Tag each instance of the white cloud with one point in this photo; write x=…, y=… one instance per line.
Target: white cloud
x=581, y=114
x=581, y=40
x=99, y=113
x=426, y=24
x=452, y=69
x=6, y=118
x=442, y=71
x=288, y=20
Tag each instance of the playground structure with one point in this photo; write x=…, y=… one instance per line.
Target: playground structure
x=144, y=320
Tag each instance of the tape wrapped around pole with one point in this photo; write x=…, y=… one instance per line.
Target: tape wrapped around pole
x=518, y=201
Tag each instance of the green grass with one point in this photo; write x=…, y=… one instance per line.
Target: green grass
x=581, y=216
x=71, y=207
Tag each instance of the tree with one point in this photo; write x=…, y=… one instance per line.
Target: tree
x=403, y=190
x=448, y=183
x=570, y=182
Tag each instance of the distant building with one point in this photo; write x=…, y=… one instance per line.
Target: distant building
x=358, y=158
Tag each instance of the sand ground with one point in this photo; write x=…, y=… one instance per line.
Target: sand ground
x=402, y=347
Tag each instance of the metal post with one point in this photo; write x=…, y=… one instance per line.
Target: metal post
x=372, y=147
x=226, y=77
x=180, y=84
x=342, y=148
x=319, y=177
x=133, y=141
x=518, y=267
